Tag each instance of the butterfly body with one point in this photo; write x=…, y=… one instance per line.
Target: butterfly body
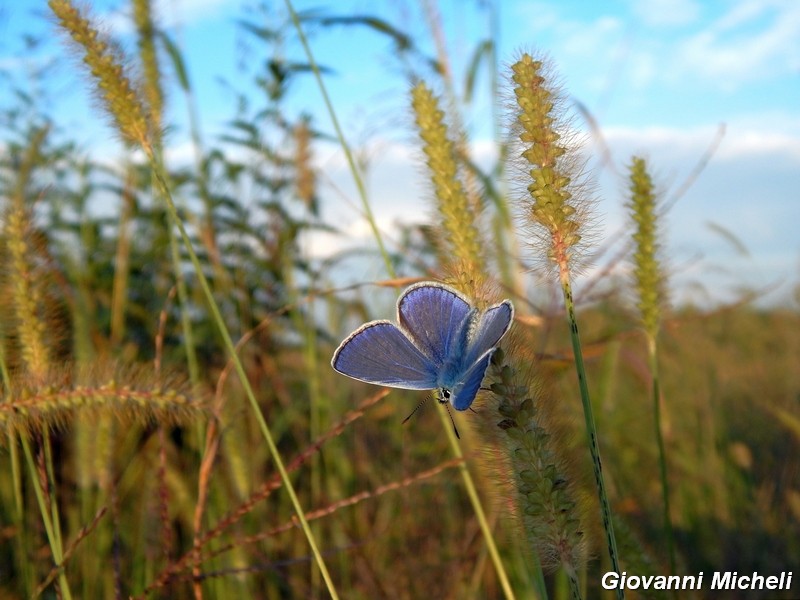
x=440, y=343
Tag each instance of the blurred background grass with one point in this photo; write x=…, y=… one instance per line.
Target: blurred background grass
x=394, y=521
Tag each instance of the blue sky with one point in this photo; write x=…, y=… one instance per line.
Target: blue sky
x=659, y=77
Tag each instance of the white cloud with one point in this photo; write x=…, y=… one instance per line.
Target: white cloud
x=754, y=40
x=358, y=233
x=741, y=141
x=750, y=142
x=747, y=41
x=673, y=141
x=168, y=13
x=573, y=37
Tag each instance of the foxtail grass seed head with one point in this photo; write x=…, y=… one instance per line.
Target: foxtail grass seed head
x=114, y=89
x=648, y=277
x=54, y=406
x=27, y=296
x=148, y=55
x=306, y=181
x=462, y=240
x=130, y=393
x=546, y=507
x=556, y=216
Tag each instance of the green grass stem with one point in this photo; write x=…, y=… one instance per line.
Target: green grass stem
x=472, y=492
x=649, y=286
x=465, y=475
x=16, y=482
x=652, y=350
x=53, y=539
x=558, y=211
x=591, y=429
x=216, y=316
x=183, y=303
x=462, y=248
x=359, y=181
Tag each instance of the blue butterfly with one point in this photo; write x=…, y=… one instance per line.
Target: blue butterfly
x=440, y=343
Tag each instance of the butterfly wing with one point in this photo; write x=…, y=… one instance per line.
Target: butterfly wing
x=493, y=325
x=378, y=352
x=466, y=389
x=434, y=316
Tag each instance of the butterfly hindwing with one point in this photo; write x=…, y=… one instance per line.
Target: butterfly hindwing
x=433, y=315
x=465, y=391
x=378, y=352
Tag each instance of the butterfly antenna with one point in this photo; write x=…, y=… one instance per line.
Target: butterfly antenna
x=449, y=414
x=415, y=409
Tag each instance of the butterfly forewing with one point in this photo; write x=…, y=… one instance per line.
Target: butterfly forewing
x=433, y=315
x=380, y=353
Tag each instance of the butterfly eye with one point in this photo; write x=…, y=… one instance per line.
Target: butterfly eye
x=444, y=395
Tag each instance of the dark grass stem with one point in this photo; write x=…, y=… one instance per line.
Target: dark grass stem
x=558, y=210
x=591, y=429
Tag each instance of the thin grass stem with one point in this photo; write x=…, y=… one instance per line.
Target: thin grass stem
x=591, y=429
x=472, y=492
x=652, y=347
x=55, y=546
x=51, y=483
x=468, y=484
x=362, y=190
x=650, y=290
x=216, y=315
x=186, y=322
x=16, y=483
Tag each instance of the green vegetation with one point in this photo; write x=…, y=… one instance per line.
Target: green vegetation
x=170, y=426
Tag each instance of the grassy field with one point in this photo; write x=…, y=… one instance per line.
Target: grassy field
x=172, y=428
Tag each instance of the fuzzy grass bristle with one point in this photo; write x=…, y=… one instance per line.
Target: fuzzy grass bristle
x=545, y=498
x=127, y=394
x=555, y=205
x=115, y=89
x=461, y=241
x=648, y=278
x=148, y=55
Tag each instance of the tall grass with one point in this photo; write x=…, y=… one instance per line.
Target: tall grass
x=170, y=427
x=649, y=285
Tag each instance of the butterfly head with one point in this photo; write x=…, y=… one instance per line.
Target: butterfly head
x=443, y=395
